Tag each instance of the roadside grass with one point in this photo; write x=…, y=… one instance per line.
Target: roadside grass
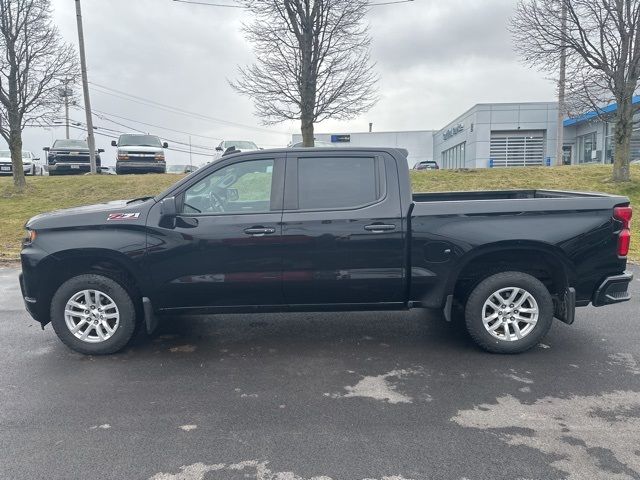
x=51, y=193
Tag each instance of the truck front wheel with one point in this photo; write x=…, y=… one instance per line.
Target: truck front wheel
x=509, y=312
x=93, y=314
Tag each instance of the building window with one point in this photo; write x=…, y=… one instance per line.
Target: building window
x=587, y=148
x=454, y=157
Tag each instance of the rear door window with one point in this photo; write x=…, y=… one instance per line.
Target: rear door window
x=326, y=183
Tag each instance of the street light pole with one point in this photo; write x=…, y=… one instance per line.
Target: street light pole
x=85, y=87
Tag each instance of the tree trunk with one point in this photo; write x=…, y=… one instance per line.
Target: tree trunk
x=15, y=146
x=622, y=140
x=307, y=132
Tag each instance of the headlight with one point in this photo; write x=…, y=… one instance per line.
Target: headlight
x=123, y=156
x=159, y=156
x=29, y=237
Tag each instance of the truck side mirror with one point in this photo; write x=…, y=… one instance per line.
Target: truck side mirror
x=114, y=143
x=165, y=145
x=101, y=150
x=46, y=149
x=219, y=148
x=168, y=212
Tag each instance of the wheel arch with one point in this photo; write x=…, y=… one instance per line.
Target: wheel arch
x=546, y=262
x=62, y=266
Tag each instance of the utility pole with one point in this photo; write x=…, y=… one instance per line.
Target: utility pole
x=562, y=86
x=85, y=87
x=66, y=92
x=190, y=156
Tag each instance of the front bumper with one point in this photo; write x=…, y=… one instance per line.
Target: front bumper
x=613, y=290
x=31, y=304
x=7, y=168
x=141, y=166
x=71, y=168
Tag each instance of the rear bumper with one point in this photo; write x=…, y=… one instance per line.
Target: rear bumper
x=613, y=290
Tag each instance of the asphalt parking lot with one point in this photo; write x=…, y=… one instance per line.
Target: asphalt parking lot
x=325, y=396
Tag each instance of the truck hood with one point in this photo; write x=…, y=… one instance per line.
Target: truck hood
x=117, y=211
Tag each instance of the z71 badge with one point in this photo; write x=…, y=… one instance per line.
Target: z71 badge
x=123, y=216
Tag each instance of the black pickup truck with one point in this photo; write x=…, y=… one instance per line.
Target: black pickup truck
x=325, y=229
x=70, y=157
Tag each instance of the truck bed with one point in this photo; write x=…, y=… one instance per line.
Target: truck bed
x=511, y=201
x=501, y=195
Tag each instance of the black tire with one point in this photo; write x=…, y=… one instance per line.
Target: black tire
x=122, y=299
x=484, y=290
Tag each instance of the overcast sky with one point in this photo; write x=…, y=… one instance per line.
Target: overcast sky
x=436, y=59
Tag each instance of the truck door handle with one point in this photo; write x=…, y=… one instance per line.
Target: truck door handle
x=378, y=228
x=260, y=231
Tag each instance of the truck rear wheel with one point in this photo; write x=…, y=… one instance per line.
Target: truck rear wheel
x=509, y=312
x=93, y=314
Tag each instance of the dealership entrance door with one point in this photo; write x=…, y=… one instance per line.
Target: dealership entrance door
x=517, y=149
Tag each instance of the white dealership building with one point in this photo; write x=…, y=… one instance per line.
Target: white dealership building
x=492, y=135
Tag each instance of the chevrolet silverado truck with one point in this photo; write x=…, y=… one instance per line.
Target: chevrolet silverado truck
x=325, y=230
x=70, y=157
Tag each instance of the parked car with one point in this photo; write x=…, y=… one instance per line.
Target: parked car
x=426, y=165
x=178, y=169
x=340, y=231
x=236, y=145
x=30, y=163
x=138, y=153
x=70, y=157
x=316, y=144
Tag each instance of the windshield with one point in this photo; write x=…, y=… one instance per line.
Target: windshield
x=70, y=144
x=139, y=141
x=7, y=154
x=240, y=145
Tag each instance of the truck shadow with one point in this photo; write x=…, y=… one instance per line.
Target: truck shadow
x=305, y=331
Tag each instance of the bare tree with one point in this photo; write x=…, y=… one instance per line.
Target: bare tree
x=313, y=61
x=34, y=63
x=601, y=39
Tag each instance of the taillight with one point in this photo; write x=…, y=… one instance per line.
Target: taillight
x=623, y=214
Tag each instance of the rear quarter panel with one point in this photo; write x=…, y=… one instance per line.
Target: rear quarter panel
x=583, y=241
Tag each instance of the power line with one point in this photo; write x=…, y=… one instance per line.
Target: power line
x=172, y=109
x=156, y=126
x=194, y=2
x=201, y=147
x=389, y=3
x=114, y=134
